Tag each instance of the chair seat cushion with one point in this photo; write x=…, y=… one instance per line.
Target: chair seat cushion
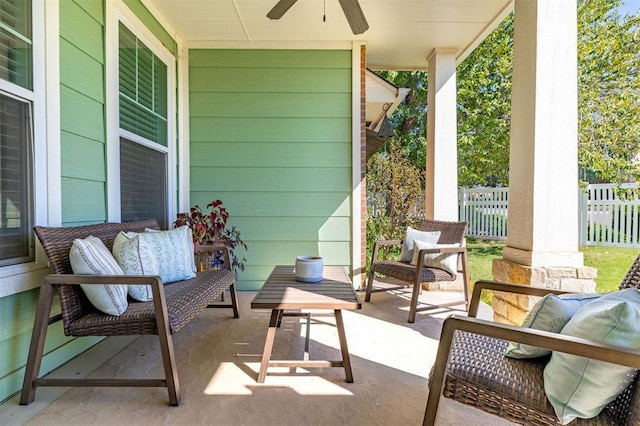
x=185, y=299
x=478, y=374
x=407, y=272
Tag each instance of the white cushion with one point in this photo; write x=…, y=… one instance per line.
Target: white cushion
x=579, y=387
x=174, y=253
x=550, y=313
x=135, y=257
x=413, y=234
x=90, y=256
x=444, y=261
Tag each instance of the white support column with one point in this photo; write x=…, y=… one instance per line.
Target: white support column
x=543, y=173
x=542, y=240
x=441, y=201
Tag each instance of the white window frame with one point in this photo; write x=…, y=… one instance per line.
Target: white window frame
x=117, y=12
x=21, y=277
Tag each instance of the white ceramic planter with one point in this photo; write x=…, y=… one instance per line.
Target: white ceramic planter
x=309, y=269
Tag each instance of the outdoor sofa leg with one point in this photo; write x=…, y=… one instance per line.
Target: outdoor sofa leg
x=234, y=300
x=166, y=343
x=414, y=299
x=36, y=347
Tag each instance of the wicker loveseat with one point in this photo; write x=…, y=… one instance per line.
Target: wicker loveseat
x=471, y=366
x=172, y=307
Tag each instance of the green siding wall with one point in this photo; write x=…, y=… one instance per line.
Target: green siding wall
x=271, y=137
x=82, y=112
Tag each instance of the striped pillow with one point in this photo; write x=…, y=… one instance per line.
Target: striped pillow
x=90, y=256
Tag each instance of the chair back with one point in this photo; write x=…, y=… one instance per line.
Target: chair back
x=632, y=278
x=57, y=241
x=450, y=232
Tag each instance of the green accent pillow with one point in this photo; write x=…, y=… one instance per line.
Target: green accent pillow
x=444, y=261
x=174, y=253
x=413, y=234
x=579, y=387
x=135, y=257
x=90, y=256
x=551, y=313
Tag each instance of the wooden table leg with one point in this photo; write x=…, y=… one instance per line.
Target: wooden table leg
x=276, y=315
x=343, y=345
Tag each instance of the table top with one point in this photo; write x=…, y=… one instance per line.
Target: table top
x=282, y=291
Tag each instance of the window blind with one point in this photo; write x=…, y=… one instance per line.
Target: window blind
x=143, y=183
x=15, y=181
x=142, y=89
x=16, y=63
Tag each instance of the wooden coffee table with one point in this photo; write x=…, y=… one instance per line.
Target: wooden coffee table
x=281, y=292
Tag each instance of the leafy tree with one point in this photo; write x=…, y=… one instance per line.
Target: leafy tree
x=608, y=103
x=397, y=188
x=609, y=91
x=484, y=110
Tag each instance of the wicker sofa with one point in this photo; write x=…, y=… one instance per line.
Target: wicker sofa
x=172, y=307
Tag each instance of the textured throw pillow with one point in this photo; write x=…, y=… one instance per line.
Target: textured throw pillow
x=579, y=387
x=193, y=250
x=444, y=261
x=174, y=253
x=550, y=313
x=135, y=257
x=413, y=234
x=90, y=256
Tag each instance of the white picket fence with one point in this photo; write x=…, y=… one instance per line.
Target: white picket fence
x=486, y=211
x=608, y=215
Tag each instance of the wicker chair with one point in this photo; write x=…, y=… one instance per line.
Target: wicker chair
x=172, y=307
x=471, y=367
x=413, y=276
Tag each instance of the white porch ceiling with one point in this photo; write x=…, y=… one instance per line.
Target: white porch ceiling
x=401, y=35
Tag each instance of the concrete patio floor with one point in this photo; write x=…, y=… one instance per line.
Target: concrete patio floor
x=218, y=360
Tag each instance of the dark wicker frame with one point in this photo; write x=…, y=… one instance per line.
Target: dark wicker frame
x=414, y=276
x=172, y=307
x=471, y=367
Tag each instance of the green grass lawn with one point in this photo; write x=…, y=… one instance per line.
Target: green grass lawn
x=612, y=263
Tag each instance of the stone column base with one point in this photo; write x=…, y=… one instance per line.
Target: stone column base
x=511, y=308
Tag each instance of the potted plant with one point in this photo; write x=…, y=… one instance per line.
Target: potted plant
x=211, y=228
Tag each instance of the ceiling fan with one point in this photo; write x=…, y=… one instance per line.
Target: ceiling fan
x=351, y=8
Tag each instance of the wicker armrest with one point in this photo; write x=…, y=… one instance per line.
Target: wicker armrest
x=75, y=279
x=552, y=341
x=506, y=287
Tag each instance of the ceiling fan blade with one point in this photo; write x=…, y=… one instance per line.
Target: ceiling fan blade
x=355, y=16
x=280, y=9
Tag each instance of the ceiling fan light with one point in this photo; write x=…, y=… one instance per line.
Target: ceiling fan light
x=355, y=16
x=280, y=9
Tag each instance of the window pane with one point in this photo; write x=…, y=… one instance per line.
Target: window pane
x=143, y=183
x=15, y=172
x=16, y=64
x=143, y=89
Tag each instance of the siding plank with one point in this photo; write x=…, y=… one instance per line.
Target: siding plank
x=83, y=159
x=270, y=105
x=84, y=201
x=229, y=58
x=81, y=30
x=81, y=71
x=275, y=80
x=274, y=129
x=257, y=154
